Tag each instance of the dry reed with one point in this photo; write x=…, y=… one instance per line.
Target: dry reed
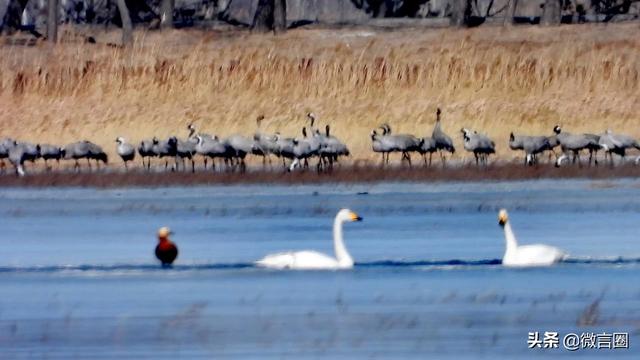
x=493, y=80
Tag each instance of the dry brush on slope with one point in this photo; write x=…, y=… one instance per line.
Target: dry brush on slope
x=494, y=80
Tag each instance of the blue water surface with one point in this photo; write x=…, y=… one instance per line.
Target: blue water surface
x=79, y=278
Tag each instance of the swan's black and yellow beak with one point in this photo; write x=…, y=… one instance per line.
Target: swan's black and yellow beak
x=502, y=217
x=355, y=217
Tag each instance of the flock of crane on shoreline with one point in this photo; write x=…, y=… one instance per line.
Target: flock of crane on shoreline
x=321, y=145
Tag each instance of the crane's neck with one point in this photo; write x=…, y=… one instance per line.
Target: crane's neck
x=342, y=255
x=509, y=238
x=436, y=128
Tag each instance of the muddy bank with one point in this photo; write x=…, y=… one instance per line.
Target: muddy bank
x=353, y=174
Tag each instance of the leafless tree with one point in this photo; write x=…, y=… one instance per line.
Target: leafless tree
x=280, y=15
x=127, y=27
x=511, y=12
x=166, y=14
x=460, y=12
x=11, y=20
x=551, y=13
x=270, y=15
x=52, y=21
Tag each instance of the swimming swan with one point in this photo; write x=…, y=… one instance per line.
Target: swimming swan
x=526, y=255
x=312, y=260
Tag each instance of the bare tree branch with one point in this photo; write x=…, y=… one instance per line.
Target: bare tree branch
x=52, y=21
x=127, y=27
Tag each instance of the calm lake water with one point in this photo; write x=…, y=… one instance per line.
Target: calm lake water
x=78, y=277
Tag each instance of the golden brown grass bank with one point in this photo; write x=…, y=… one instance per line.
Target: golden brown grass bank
x=494, y=80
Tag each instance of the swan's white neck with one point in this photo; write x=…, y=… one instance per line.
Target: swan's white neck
x=510, y=238
x=342, y=255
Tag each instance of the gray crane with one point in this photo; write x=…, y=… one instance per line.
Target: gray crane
x=443, y=141
x=378, y=145
x=263, y=144
x=304, y=149
x=284, y=148
x=531, y=145
x=312, y=119
x=20, y=152
x=79, y=150
x=145, y=149
x=553, y=144
x=51, y=152
x=5, y=145
x=428, y=146
x=385, y=143
x=126, y=151
x=193, y=137
x=479, y=144
x=332, y=148
x=186, y=149
x=96, y=153
x=574, y=143
x=212, y=148
x=239, y=147
x=593, y=147
x=165, y=149
x=403, y=143
x=617, y=144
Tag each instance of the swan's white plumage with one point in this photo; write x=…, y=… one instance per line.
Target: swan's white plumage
x=526, y=255
x=313, y=260
x=302, y=260
x=533, y=255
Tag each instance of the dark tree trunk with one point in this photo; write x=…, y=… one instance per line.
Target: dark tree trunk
x=13, y=17
x=280, y=16
x=510, y=14
x=551, y=13
x=166, y=14
x=270, y=15
x=263, y=18
x=52, y=21
x=127, y=27
x=460, y=12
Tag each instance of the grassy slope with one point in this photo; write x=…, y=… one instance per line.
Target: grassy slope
x=493, y=80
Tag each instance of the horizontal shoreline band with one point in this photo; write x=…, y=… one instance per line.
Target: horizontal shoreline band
x=344, y=174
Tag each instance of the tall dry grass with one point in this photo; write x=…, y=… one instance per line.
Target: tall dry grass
x=493, y=80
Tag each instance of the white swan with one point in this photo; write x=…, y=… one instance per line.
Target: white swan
x=312, y=260
x=526, y=255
